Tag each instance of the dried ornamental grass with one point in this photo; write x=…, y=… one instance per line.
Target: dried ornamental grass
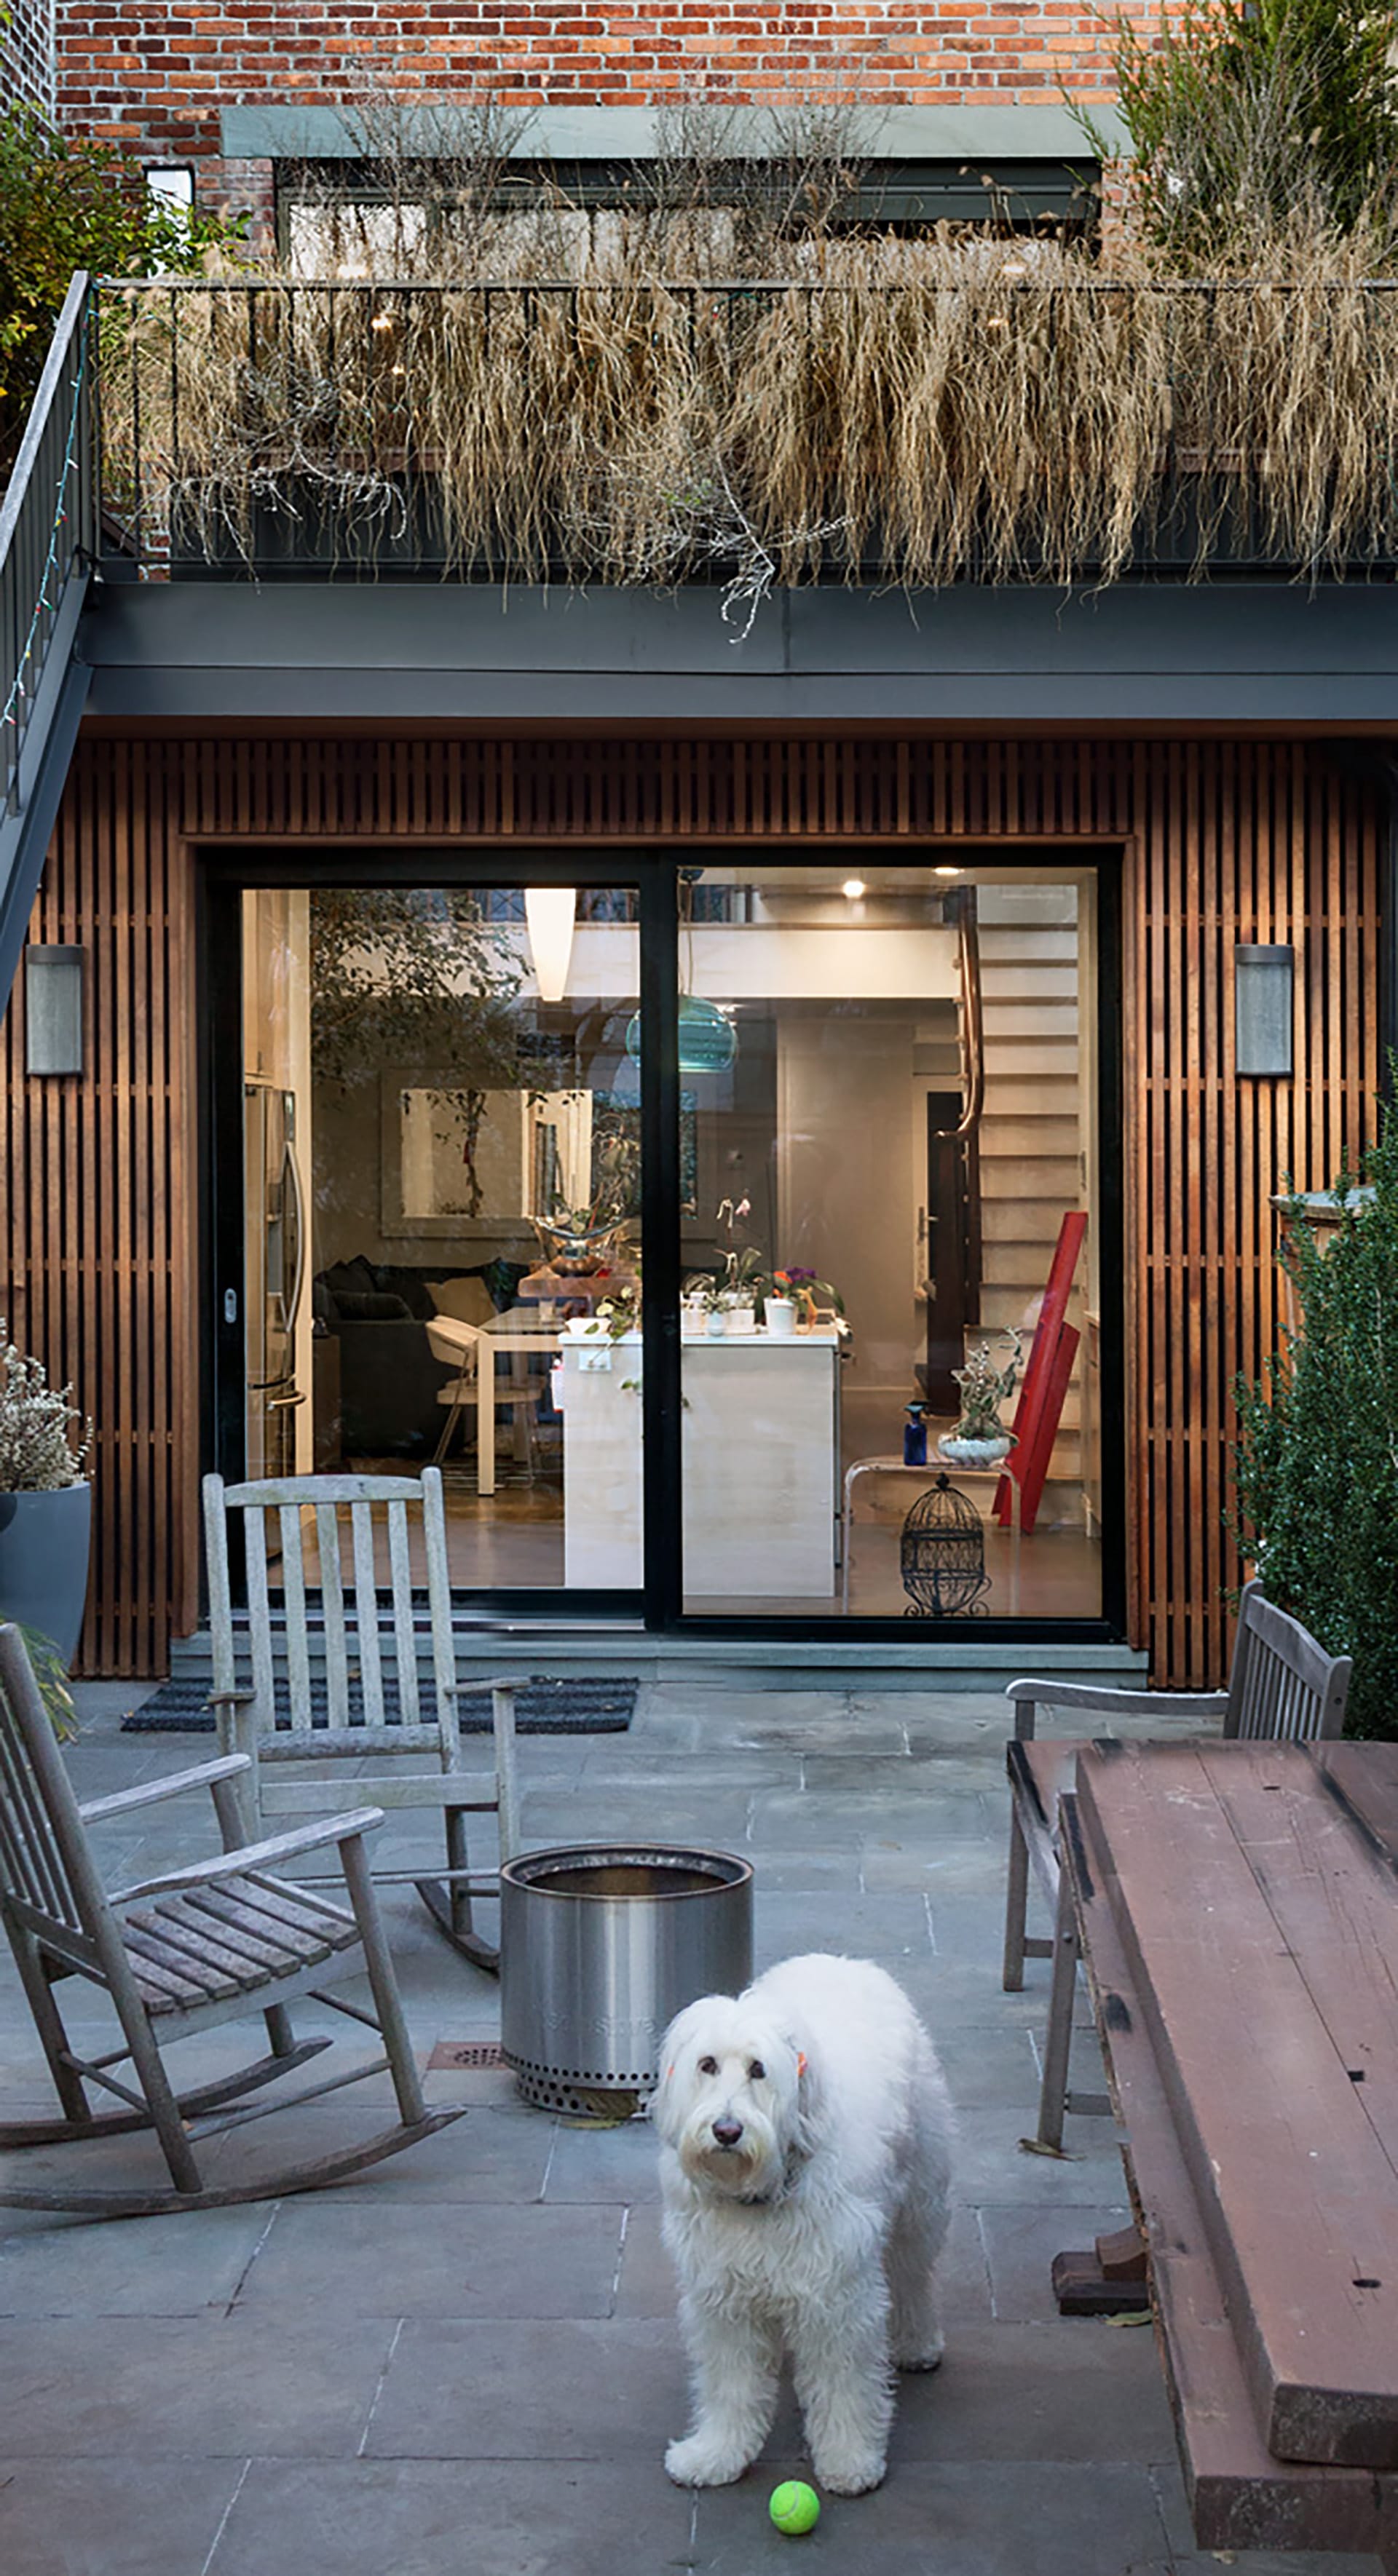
x=917, y=413
x=36, y=1454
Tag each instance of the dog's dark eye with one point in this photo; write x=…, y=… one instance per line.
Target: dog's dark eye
x=708, y=2066
x=756, y=2071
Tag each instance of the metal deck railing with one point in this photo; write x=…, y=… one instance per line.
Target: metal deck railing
x=48, y=546
x=272, y=428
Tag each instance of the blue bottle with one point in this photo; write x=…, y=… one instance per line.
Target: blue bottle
x=914, y=1436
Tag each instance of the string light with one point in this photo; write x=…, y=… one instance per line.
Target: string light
x=18, y=692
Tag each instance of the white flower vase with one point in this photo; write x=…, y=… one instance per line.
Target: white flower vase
x=714, y=1324
x=780, y=1313
x=739, y=1322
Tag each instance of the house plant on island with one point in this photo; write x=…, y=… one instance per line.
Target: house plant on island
x=45, y=1507
x=796, y=1294
x=979, y=1438
x=743, y=1282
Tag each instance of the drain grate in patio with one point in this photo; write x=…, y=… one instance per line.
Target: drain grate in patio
x=455, y=2055
x=542, y=1707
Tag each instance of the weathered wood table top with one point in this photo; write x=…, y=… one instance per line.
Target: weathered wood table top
x=1238, y=1905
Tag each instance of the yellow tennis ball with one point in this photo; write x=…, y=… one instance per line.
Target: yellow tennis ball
x=795, y=2507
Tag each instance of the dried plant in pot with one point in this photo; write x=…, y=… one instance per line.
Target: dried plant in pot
x=979, y=1438
x=45, y=1510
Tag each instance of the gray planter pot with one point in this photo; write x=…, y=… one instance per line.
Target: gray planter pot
x=44, y=1540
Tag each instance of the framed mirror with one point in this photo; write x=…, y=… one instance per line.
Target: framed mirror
x=458, y=1163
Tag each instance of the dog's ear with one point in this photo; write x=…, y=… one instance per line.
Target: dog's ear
x=666, y=2101
x=810, y=2100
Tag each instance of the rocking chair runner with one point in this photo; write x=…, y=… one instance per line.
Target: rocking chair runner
x=374, y=1700
x=179, y=1952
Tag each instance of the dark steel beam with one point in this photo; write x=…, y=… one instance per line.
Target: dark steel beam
x=1186, y=656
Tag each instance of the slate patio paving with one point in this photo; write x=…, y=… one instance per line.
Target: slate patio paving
x=468, y=2360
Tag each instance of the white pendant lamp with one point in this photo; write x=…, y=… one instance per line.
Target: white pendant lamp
x=548, y=914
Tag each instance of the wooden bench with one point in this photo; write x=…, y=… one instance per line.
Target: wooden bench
x=1237, y=1908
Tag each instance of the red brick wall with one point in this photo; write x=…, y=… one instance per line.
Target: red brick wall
x=154, y=77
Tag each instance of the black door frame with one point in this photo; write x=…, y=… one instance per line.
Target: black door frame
x=655, y=873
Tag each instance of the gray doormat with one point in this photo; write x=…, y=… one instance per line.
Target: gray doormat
x=542, y=1707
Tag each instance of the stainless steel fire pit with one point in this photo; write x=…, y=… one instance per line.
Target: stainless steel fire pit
x=600, y=1946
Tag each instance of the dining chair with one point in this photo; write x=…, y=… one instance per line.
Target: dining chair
x=457, y=1345
x=1283, y=1687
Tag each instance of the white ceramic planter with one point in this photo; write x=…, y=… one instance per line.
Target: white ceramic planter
x=780, y=1313
x=974, y=1453
x=739, y=1321
x=44, y=1542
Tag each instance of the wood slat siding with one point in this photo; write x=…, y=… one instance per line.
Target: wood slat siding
x=97, y=1238
x=1223, y=842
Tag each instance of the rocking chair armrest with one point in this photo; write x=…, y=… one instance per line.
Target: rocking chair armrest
x=230, y=1699
x=203, y=1776
x=263, y=1855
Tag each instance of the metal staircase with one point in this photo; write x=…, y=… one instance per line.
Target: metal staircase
x=48, y=547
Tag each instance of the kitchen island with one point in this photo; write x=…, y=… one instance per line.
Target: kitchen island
x=760, y=1458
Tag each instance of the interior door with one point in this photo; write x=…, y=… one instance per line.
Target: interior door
x=950, y=1250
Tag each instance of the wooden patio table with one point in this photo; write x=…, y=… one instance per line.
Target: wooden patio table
x=1237, y=1906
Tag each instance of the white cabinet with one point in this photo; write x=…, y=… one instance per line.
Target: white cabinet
x=760, y=1449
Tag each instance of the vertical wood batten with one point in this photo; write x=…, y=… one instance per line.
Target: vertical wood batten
x=94, y=1208
x=1223, y=842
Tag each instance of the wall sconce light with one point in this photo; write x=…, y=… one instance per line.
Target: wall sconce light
x=548, y=914
x=1263, y=985
x=53, y=1010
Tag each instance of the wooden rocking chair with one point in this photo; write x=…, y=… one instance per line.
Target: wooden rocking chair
x=179, y=1952
x=366, y=1667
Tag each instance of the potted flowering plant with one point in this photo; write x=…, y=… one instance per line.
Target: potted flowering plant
x=45, y=1505
x=701, y=1302
x=743, y=1282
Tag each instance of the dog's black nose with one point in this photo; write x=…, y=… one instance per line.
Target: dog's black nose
x=728, y=2132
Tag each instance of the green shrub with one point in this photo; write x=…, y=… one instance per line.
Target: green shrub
x=64, y=205
x=1254, y=128
x=1317, y=1462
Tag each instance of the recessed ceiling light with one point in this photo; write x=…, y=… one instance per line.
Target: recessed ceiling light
x=853, y=888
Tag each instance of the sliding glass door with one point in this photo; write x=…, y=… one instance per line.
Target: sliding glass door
x=740, y=1239
x=891, y=1261
x=441, y=1202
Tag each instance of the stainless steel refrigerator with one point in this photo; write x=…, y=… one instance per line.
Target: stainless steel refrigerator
x=276, y=1263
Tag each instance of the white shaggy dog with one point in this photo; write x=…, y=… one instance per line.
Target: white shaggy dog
x=805, y=2163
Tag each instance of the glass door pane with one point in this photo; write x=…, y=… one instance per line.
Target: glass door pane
x=442, y=1179
x=891, y=1090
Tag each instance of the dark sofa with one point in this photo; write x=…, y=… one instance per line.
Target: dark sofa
x=389, y=1379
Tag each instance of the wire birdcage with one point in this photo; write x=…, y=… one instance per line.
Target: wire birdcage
x=942, y=1556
